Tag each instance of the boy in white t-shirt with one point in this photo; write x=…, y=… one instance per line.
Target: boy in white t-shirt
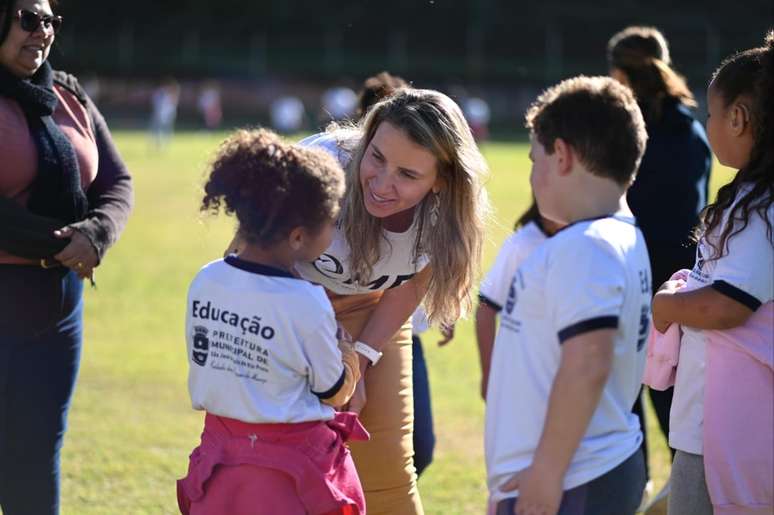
x=569, y=356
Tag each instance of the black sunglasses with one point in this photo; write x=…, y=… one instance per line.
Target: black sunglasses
x=31, y=21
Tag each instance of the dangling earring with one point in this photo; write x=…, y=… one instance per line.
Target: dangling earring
x=435, y=208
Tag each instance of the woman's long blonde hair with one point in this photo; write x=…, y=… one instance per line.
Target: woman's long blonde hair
x=453, y=244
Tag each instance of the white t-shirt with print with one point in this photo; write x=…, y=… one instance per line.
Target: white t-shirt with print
x=591, y=275
x=262, y=344
x=396, y=265
x=746, y=274
x=519, y=245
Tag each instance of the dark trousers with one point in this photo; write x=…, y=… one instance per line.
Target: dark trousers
x=424, y=438
x=41, y=314
x=616, y=493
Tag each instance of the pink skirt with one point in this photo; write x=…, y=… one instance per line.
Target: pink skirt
x=263, y=469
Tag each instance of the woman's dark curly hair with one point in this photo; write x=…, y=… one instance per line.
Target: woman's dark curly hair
x=749, y=73
x=272, y=186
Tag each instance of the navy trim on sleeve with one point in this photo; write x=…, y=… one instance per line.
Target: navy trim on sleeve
x=334, y=389
x=256, y=268
x=739, y=295
x=586, y=326
x=489, y=302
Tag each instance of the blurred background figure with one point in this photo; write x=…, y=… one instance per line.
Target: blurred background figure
x=338, y=103
x=477, y=114
x=287, y=115
x=164, y=102
x=209, y=105
x=676, y=165
x=91, y=86
x=375, y=88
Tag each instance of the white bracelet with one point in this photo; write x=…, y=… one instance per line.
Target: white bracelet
x=369, y=352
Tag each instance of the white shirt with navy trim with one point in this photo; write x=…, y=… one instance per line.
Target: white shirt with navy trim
x=591, y=275
x=261, y=344
x=397, y=261
x=494, y=288
x=746, y=274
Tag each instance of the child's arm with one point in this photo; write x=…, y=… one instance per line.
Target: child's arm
x=703, y=308
x=742, y=280
x=351, y=376
x=585, y=365
x=486, y=327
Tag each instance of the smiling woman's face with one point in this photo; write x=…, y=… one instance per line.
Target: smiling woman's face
x=395, y=172
x=22, y=52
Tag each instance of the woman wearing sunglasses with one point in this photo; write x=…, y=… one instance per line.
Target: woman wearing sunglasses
x=65, y=196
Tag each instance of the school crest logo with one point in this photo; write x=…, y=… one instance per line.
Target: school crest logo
x=201, y=346
x=510, y=303
x=699, y=259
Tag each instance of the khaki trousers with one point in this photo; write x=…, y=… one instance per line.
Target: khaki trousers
x=385, y=463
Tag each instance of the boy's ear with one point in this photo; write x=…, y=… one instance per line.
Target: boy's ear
x=564, y=155
x=296, y=238
x=740, y=118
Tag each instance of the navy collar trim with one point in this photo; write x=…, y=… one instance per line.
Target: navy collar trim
x=257, y=268
x=539, y=225
x=616, y=216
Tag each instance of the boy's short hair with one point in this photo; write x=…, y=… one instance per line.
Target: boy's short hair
x=599, y=118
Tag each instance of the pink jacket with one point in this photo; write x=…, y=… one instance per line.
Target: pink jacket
x=738, y=409
x=663, y=351
x=739, y=416
x=311, y=455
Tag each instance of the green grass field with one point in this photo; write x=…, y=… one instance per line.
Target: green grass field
x=131, y=426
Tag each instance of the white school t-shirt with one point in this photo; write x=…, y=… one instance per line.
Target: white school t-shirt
x=397, y=262
x=262, y=344
x=746, y=274
x=494, y=288
x=591, y=275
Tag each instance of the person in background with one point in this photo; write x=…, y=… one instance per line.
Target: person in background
x=287, y=115
x=478, y=114
x=530, y=230
x=164, y=100
x=338, y=104
x=209, y=105
x=677, y=163
x=65, y=196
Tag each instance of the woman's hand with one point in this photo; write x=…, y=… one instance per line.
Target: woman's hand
x=79, y=255
x=660, y=321
x=358, y=400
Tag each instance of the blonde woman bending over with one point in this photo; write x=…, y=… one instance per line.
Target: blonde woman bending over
x=411, y=229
